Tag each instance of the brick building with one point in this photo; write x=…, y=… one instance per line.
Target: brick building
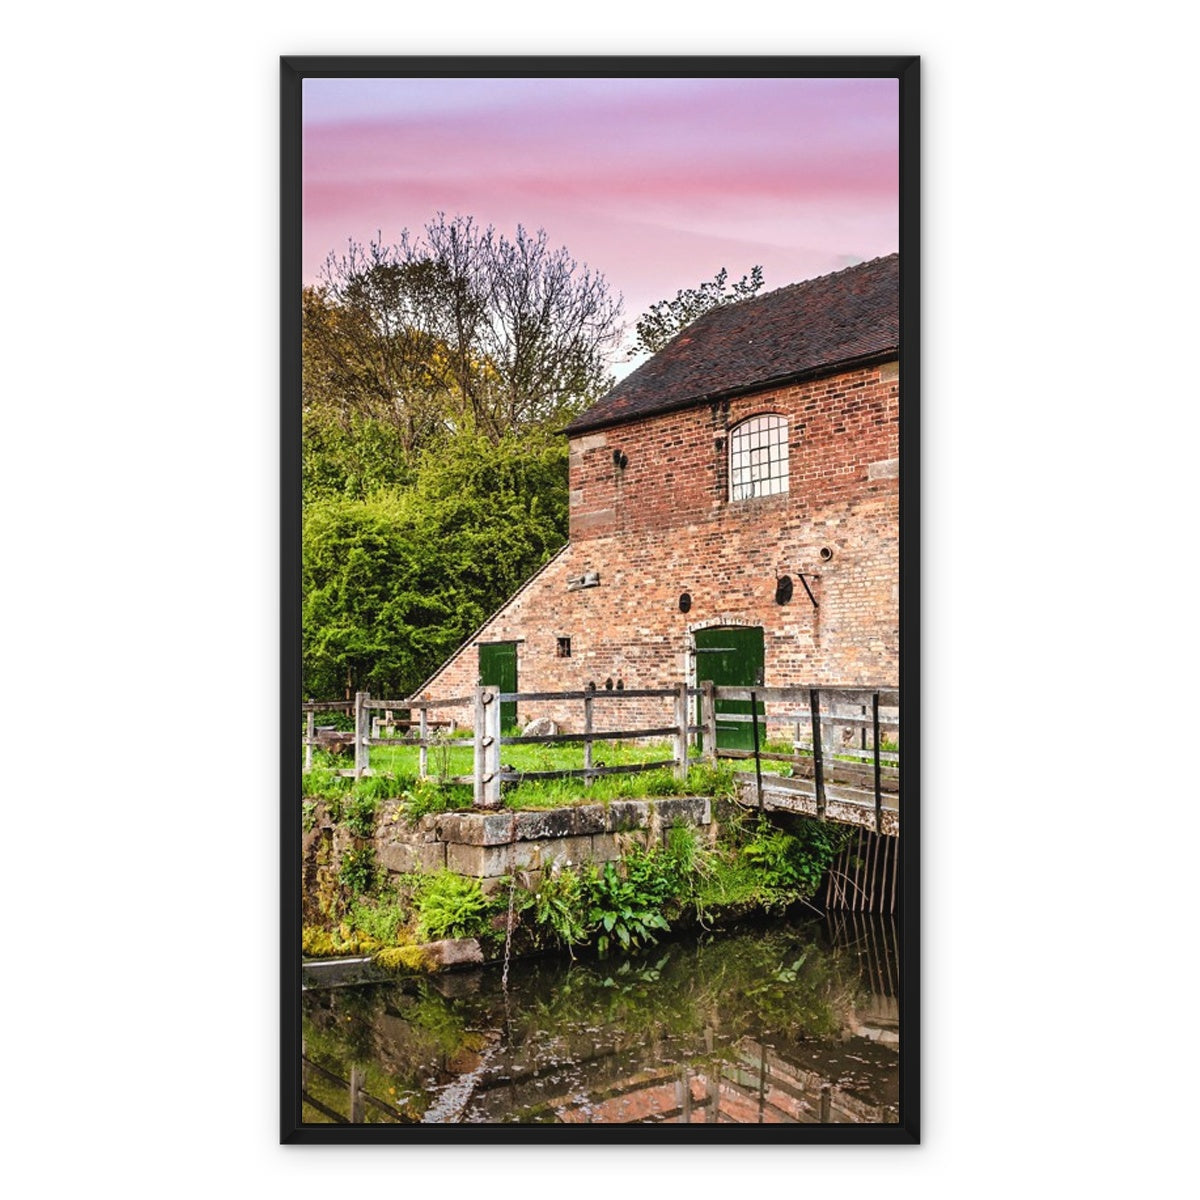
x=751, y=462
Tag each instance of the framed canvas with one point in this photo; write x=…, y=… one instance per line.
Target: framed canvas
x=599, y=460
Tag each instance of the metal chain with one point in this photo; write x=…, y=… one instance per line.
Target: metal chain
x=512, y=893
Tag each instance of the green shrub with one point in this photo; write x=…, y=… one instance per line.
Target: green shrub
x=559, y=908
x=427, y=797
x=323, y=783
x=451, y=906
x=358, y=871
x=717, y=782
x=626, y=906
x=358, y=813
x=793, y=865
x=377, y=919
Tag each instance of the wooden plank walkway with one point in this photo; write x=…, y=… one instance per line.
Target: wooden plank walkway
x=847, y=805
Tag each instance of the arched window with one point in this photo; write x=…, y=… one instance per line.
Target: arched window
x=758, y=457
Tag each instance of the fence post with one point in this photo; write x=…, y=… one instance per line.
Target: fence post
x=757, y=758
x=681, y=731
x=491, y=753
x=814, y=702
x=875, y=740
x=362, y=752
x=487, y=748
x=708, y=718
x=423, y=733
x=587, y=740
x=480, y=733
x=310, y=733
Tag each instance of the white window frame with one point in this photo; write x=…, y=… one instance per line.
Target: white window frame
x=758, y=457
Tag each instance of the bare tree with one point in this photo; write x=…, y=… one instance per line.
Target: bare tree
x=459, y=326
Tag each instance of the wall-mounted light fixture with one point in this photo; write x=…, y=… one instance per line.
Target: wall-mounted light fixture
x=685, y=602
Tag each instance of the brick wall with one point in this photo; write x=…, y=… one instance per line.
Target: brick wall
x=663, y=525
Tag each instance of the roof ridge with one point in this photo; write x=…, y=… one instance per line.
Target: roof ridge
x=812, y=325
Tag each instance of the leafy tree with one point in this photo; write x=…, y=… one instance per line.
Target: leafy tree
x=394, y=581
x=662, y=321
x=461, y=329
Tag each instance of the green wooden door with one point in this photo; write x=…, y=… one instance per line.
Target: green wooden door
x=498, y=668
x=732, y=656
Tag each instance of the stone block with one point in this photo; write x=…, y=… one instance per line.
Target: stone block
x=572, y=851
x=479, y=861
x=453, y=952
x=426, y=828
x=475, y=829
x=624, y=815
x=486, y=862
x=687, y=810
x=588, y=819
x=548, y=823
x=604, y=848
x=403, y=857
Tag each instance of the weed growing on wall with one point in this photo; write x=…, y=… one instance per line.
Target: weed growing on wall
x=358, y=871
x=558, y=908
x=428, y=797
x=379, y=919
x=451, y=906
x=623, y=908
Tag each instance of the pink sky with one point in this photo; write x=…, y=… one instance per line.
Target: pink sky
x=656, y=183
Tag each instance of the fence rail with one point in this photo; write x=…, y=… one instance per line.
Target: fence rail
x=820, y=721
x=819, y=749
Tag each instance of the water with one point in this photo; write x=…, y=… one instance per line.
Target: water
x=796, y=1022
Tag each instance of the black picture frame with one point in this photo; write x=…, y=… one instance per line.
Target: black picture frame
x=293, y=71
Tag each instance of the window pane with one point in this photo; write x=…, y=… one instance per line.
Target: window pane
x=758, y=458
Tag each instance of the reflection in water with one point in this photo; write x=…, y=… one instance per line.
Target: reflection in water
x=797, y=1023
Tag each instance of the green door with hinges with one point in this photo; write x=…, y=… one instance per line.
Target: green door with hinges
x=732, y=656
x=498, y=669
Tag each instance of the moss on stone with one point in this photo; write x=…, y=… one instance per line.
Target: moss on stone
x=406, y=958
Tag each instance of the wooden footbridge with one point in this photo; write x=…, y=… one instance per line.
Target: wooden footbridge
x=843, y=763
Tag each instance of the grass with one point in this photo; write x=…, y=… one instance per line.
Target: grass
x=397, y=768
x=399, y=778
x=459, y=759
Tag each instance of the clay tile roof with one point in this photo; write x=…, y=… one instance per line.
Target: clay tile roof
x=806, y=329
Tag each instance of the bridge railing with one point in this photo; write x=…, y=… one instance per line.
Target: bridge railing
x=844, y=743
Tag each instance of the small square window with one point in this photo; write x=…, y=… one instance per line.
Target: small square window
x=564, y=648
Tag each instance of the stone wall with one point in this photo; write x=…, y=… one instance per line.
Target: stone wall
x=664, y=525
x=488, y=846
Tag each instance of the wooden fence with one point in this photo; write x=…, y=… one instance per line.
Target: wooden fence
x=822, y=763
x=486, y=737
x=380, y=730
